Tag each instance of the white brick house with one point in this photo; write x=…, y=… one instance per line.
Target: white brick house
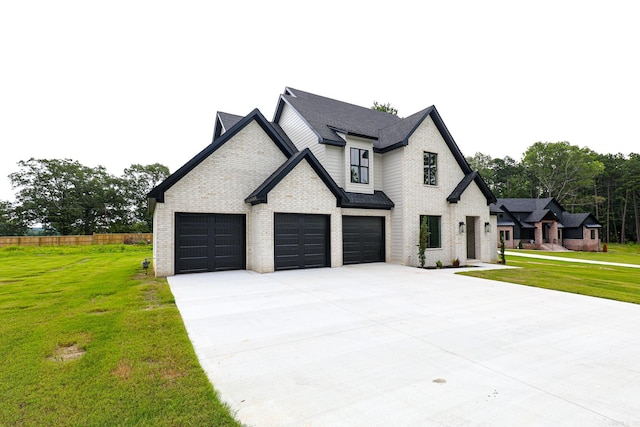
x=325, y=184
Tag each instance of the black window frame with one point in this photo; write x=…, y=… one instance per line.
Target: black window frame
x=434, y=222
x=361, y=155
x=430, y=164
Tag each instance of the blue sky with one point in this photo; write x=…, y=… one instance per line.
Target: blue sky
x=122, y=82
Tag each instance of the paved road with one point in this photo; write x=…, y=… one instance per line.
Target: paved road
x=557, y=258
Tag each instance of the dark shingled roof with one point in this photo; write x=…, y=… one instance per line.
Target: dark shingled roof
x=524, y=205
x=328, y=116
x=575, y=220
x=377, y=200
x=540, y=214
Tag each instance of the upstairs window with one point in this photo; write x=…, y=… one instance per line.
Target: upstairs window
x=359, y=166
x=430, y=168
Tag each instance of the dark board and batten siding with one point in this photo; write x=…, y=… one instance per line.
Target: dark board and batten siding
x=210, y=242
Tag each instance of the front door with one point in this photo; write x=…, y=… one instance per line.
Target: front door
x=471, y=237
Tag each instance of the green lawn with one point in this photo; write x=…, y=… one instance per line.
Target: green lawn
x=626, y=254
x=617, y=283
x=86, y=338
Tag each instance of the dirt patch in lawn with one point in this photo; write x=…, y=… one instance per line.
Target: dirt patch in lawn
x=67, y=352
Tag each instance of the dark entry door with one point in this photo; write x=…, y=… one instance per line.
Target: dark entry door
x=471, y=237
x=209, y=242
x=362, y=239
x=301, y=241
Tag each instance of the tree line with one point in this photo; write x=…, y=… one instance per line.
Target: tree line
x=66, y=197
x=606, y=185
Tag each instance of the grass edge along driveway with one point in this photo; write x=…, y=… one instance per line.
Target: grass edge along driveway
x=86, y=338
x=603, y=281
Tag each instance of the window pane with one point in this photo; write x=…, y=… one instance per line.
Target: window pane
x=364, y=175
x=434, y=228
x=430, y=168
x=355, y=176
x=354, y=156
x=364, y=158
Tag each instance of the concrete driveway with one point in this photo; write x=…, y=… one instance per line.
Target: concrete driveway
x=387, y=345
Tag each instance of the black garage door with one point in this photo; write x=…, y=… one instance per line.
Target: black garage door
x=301, y=241
x=209, y=242
x=362, y=239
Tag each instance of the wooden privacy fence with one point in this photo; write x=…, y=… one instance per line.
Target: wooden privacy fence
x=95, y=239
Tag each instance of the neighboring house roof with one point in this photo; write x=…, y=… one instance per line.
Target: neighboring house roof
x=157, y=194
x=575, y=220
x=456, y=194
x=540, y=214
x=538, y=210
x=524, y=204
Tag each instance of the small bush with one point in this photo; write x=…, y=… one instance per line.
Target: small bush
x=520, y=244
x=438, y=264
x=456, y=262
x=604, y=248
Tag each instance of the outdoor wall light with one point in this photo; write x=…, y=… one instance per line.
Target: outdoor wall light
x=487, y=227
x=145, y=265
x=461, y=227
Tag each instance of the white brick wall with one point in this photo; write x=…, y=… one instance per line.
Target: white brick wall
x=301, y=191
x=420, y=199
x=221, y=183
x=217, y=185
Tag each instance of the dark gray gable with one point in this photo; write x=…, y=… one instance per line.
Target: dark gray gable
x=259, y=195
x=157, y=194
x=577, y=220
x=456, y=194
x=224, y=121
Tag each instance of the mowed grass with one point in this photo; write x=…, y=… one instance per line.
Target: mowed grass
x=87, y=339
x=626, y=254
x=617, y=283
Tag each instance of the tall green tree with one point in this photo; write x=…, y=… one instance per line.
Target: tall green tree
x=511, y=179
x=387, y=108
x=65, y=196
x=137, y=181
x=561, y=170
x=483, y=164
x=11, y=224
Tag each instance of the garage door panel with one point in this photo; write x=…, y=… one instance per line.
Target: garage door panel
x=362, y=239
x=301, y=241
x=209, y=242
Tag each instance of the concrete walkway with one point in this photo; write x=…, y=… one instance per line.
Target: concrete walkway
x=387, y=345
x=567, y=259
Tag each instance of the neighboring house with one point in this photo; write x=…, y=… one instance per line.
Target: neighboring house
x=545, y=224
x=325, y=184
